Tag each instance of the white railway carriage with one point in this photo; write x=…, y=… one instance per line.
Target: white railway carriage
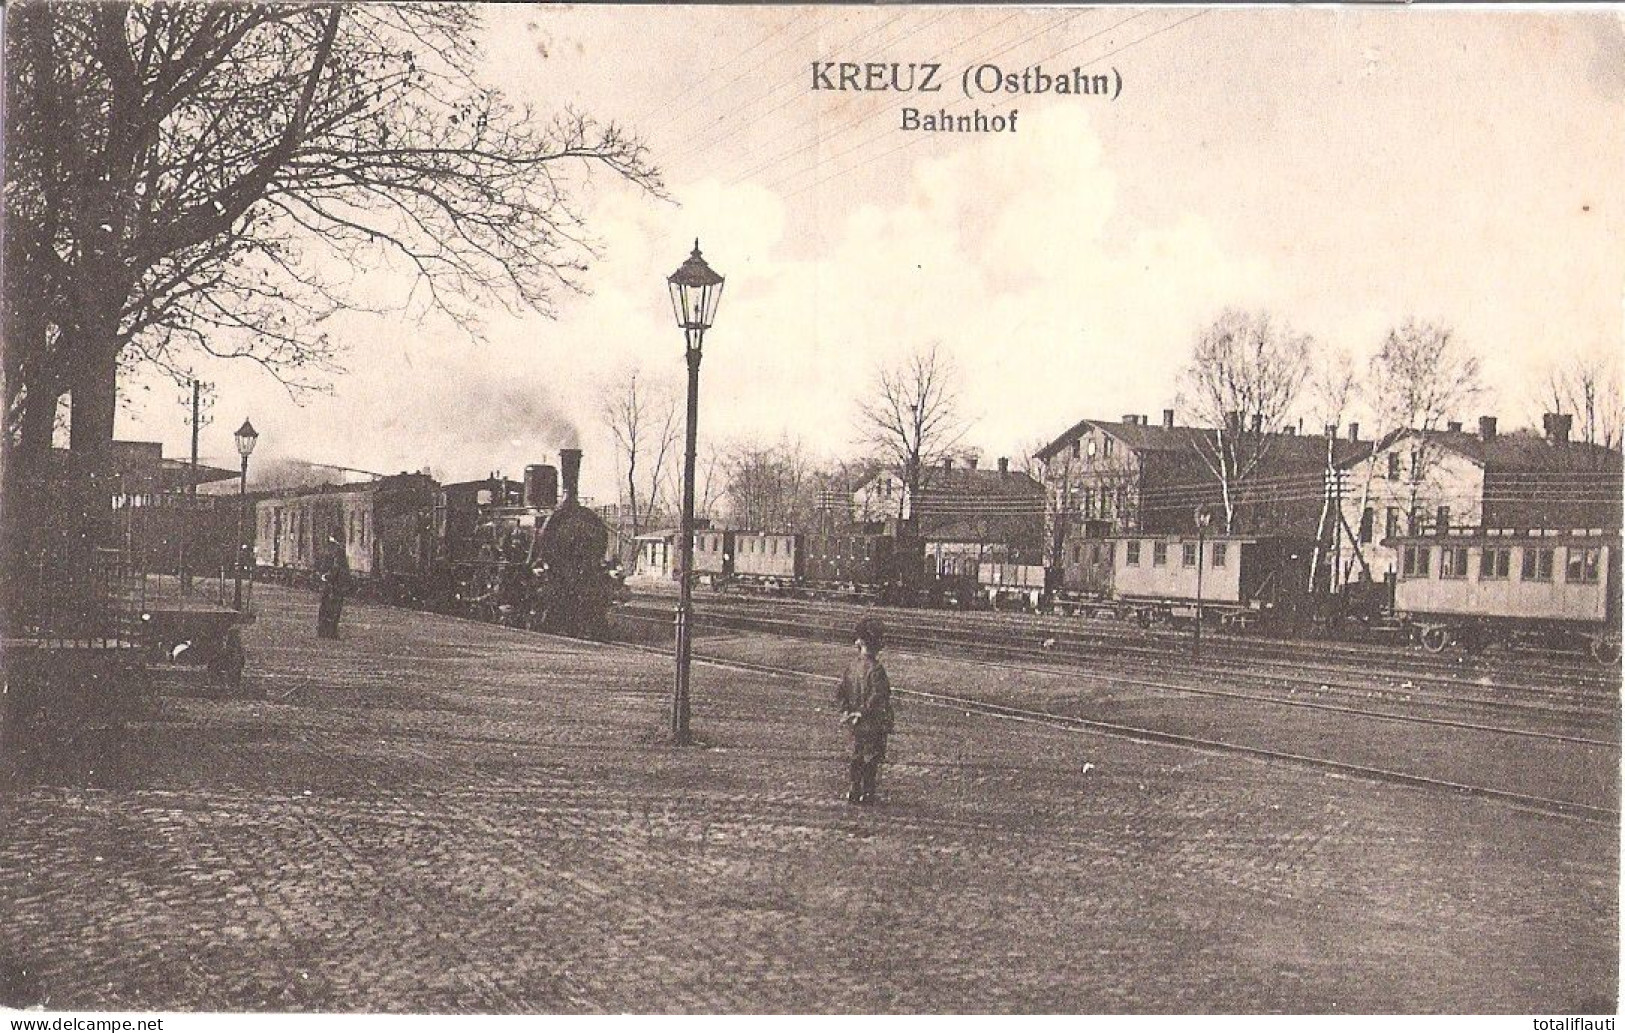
x=1241, y=578
x=1468, y=586
x=767, y=559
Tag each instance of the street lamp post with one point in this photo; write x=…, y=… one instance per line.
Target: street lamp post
x=247, y=436
x=695, y=290
x=1203, y=518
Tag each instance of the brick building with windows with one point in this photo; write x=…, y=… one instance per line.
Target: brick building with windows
x=1428, y=482
x=963, y=511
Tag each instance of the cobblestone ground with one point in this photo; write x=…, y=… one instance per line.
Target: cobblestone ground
x=434, y=815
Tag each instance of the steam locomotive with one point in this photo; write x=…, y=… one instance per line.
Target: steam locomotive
x=519, y=553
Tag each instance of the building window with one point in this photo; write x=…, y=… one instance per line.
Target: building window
x=1495, y=565
x=1368, y=523
x=1091, y=446
x=1393, y=466
x=1105, y=505
x=1077, y=447
x=1122, y=504
x=1453, y=561
x=1537, y=563
x=1188, y=554
x=1088, y=503
x=1106, y=448
x=1416, y=520
x=1219, y=551
x=1390, y=522
x=1131, y=555
x=1441, y=519
x=1582, y=569
x=1159, y=554
x=1414, y=562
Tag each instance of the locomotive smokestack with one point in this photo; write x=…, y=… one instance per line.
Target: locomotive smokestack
x=570, y=468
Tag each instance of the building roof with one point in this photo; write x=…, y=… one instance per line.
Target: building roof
x=1285, y=449
x=1310, y=450
x=140, y=466
x=1517, y=451
x=980, y=482
x=1140, y=437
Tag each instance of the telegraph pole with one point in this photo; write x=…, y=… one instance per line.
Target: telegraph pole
x=191, y=525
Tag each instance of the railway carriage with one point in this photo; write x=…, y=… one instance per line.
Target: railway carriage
x=1242, y=580
x=769, y=560
x=1083, y=577
x=1003, y=584
x=384, y=527
x=1470, y=587
x=714, y=555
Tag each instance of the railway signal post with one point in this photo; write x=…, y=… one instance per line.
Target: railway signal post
x=695, y=290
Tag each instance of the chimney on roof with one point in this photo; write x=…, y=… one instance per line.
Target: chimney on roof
x=1129, y=418
x=971, y=461
x=1354, y=432
x=1290, y=431
x=1331, y=430
x=1232, y=422
x=1486, y=428
x=1004, y=465
x=1557, y=427
x=1258, y=423
x=1168, y=418
x=1453, y=426
x=947, y=462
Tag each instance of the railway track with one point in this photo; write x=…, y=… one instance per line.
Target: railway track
x=1134, y=733
x=1584, y=685
x=1355, y=691
x=1567, y=727
x=1139, y=733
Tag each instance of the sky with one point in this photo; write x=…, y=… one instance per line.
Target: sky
x=1344, y=169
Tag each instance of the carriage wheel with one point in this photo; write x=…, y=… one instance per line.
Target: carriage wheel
x=1605, y=649
x=1435, y=639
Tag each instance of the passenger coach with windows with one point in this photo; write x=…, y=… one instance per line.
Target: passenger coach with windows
x=1468, y=587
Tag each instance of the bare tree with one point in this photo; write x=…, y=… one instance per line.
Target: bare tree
x=1334, y=383
x=1421, y=376
x=646, y=426
x=771, y=488
x=912, y=416
x=1589, y=389
x=1244, y=377
x=1027, y=460
x=195, y=180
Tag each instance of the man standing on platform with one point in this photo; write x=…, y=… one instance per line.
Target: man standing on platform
x=865, y=701
x=335, y=586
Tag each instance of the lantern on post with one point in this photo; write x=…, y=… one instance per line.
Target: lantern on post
x=247, y=438
x=695, y=289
